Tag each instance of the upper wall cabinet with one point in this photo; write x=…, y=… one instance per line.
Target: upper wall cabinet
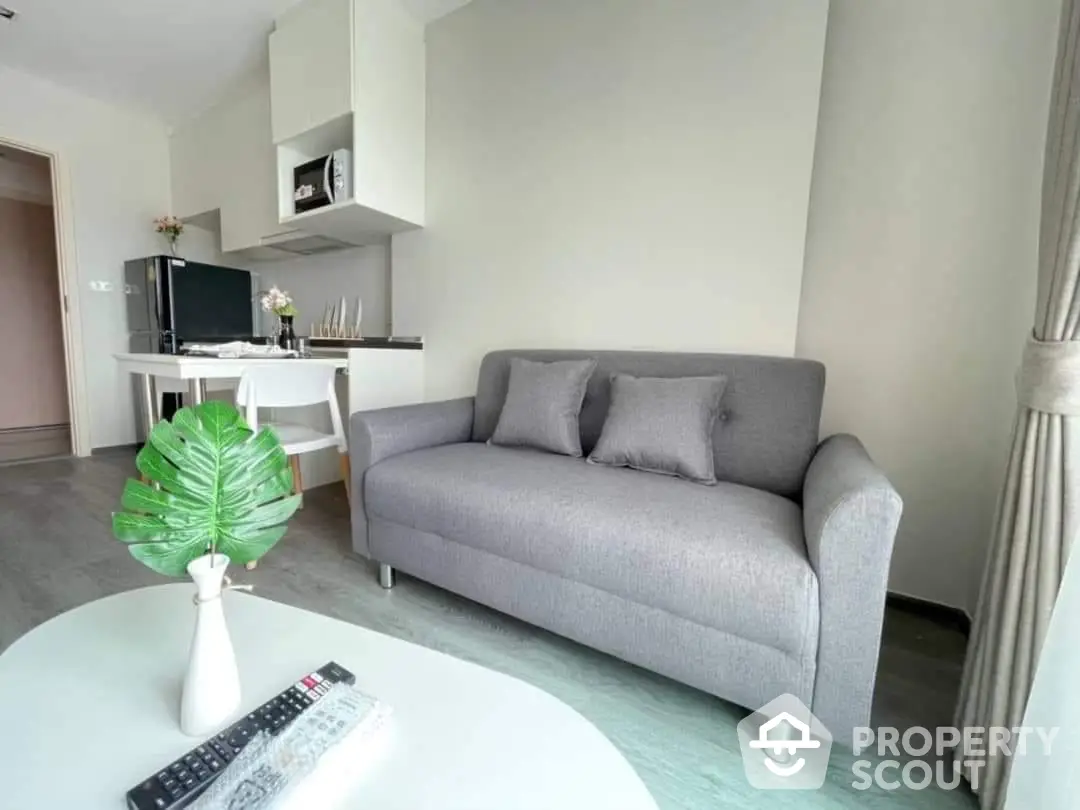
x=349, y=74
x=249, y=215
x=311, y=67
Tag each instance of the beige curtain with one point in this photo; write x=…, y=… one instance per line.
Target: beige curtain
x=1039, y=509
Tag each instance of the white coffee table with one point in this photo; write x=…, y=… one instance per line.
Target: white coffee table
x=89, y=704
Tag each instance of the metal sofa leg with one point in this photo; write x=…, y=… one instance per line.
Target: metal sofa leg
x=387, y=577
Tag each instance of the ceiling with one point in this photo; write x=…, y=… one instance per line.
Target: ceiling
x=166, y=57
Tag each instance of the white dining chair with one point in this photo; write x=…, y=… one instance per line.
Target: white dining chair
x=281, y=385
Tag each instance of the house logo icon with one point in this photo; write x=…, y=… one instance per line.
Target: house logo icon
x=782, y=743
x=784, y=746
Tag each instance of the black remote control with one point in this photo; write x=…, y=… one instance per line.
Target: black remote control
x=178, y=784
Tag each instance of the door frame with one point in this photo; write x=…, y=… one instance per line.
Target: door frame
x=67, y=271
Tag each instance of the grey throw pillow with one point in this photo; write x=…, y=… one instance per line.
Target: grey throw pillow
x=543, y=403
x=662, y=425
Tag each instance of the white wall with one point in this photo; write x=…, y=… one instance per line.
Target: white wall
x=920, y=257
x=315, y=281
x=199, y=243
x=618, y=173
x=116, y=165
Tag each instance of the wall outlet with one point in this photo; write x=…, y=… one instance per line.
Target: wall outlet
x=102, y=286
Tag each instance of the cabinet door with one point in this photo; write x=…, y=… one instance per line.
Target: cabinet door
x=311, y=66
x=249, y=207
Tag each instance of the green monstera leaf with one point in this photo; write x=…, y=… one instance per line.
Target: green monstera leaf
x=215, y=487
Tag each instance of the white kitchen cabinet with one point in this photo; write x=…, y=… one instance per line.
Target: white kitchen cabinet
x=350, y=74
x=342, y=74
x=311, y=58
x=249, y=210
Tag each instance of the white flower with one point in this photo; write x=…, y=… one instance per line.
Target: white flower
x=275, y=300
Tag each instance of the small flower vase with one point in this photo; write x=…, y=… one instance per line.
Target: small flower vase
x=286, y=338
x=212, y=684
x=174, y=248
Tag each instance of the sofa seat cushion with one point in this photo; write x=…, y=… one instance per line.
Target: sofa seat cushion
x=729, y=557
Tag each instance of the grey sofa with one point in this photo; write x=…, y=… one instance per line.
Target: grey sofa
x=771, y=582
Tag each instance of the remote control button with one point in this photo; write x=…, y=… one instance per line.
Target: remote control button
x=180, y=779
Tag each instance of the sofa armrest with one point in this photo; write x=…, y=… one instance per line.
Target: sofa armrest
x=380, y=434
x=850, y=516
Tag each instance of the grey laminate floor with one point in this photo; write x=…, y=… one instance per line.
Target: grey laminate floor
x=57, y=552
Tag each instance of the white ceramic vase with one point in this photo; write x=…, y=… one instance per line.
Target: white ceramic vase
x=212, y=684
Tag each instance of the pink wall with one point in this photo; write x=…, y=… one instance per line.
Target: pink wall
x=34, y=389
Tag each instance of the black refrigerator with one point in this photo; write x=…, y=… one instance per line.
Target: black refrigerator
x=172, y=302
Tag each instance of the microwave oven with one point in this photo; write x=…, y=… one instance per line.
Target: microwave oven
x=323, y=181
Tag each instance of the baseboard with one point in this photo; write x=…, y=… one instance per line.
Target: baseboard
x=946, y=615
x=25, y=444
x=116, y=450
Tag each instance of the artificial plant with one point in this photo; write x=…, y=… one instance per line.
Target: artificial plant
x=211, y=485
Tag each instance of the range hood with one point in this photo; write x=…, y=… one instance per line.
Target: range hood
x=304, y=244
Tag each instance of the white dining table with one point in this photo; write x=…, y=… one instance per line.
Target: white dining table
x=196, y=370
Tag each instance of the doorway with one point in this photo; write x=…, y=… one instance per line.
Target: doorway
x=35, y=417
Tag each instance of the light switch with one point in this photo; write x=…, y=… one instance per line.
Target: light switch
x=102, y=286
